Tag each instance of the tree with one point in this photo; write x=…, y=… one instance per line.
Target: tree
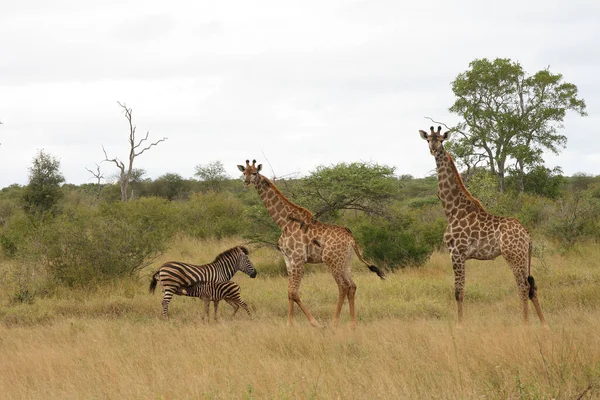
x=213, y=174
x=98, y=175
x=43, y=191
x=510, y=118
x=135, y=150
x=170, y=185
x=359, y=186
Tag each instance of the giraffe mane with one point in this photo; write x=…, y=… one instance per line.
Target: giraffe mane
x=461, y=184
x=303, y=210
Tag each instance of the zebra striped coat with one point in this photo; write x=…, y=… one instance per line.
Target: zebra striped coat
x=175, y=274
x=228, y=291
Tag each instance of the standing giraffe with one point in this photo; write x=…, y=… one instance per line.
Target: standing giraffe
x=306, y=240
x=473, y=233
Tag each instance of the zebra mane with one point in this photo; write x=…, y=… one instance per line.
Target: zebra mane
x=231, y=251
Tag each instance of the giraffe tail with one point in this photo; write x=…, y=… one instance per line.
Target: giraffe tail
x=372, y=268
x=532, y=287
x=153, y=283
x=530, y=280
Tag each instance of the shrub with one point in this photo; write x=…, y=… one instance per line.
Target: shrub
x=211, y=214
x=406, y=238
x=86, y=245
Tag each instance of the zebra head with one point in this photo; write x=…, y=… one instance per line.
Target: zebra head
x=244, y=264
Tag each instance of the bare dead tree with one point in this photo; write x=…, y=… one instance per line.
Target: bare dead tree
x=98, y=175
x=135, y=149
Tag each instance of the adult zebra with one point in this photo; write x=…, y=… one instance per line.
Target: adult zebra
x=228, y=291
x=176, y=274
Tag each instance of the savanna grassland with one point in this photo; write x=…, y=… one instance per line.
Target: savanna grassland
x=110, y=342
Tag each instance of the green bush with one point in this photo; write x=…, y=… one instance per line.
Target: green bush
x=211, y=214
x=84, y=245
x=405, y=238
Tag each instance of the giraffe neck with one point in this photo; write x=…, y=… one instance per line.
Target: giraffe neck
x=278, y=206
x=451, y=189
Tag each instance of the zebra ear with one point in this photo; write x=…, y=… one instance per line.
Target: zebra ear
x=259, y=168
x=244, y=250
x=241, y=168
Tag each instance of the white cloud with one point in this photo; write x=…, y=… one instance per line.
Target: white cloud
x=302, y=84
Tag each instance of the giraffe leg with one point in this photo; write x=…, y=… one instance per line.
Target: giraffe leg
x=343, y=293
x=340, y=270
x=538, y=309
x=294, y=296
x=458, y=264
x=351, y=295
x=519, y=267
x=533, y=296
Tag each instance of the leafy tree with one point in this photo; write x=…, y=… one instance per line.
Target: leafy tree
x=43, y=191
x=541, y=181
x=362, y=186
x=510, y=118
x=170, y=185
x=212, y=174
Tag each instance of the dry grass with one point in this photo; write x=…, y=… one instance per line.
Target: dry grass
x=111, y=343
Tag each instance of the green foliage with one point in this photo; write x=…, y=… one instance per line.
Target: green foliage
x=510, y=117
x=212, y=174
x=43, y=191
x=483, y=186
x=544, y=181
x=170, y=186
x=211, y=214
x=576, y=215
x=359, y=186
x=86, y=246
x=405, y=238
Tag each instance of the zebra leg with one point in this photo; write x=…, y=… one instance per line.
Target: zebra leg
x=206, y=308
x=167, y=296
x=233, y=304
x=245, y=307
x=216, y=309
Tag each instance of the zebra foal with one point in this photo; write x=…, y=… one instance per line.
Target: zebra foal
x=175, y=274
x=215, y=292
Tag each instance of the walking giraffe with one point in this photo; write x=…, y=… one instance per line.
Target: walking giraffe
x=306, y=240
x=473, y=233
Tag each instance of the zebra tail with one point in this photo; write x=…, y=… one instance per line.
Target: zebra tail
x=153, y=283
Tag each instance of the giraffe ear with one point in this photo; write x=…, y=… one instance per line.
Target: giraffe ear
x=259, y=168
x=241, y=168
x=423, y=134
x=447, y=135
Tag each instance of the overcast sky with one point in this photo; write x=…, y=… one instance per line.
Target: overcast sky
x=293, y=84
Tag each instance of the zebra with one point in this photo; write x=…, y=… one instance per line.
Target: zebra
x=175, y=274
x=228, y=291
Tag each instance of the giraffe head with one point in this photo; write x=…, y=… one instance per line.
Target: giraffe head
x=251, y=172
x=435, y=140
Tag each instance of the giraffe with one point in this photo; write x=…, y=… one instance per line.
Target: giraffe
x=473, y=233
x=305, y=240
